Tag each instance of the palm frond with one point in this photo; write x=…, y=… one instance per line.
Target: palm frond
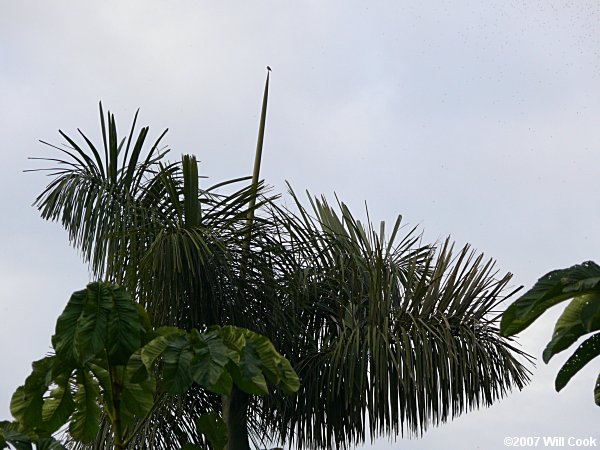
x=399, y=336
x=95, y=199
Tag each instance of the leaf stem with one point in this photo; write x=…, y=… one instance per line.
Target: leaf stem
x=116, y=399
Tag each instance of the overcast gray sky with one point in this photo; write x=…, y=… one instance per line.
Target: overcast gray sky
x=477, y=119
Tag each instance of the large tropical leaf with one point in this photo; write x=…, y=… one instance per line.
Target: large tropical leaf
x=137, y=399
x=59, y=405
x=10, y=434
x=587, y=351
x=573, y=323
x=91, y=331
x=248, y=374
x=85, y=419
x=27, y=402
x=553, y=288
x=177, y=365
x=100, y=317
x=209, y=362
x=581, y=283
x=63, y=340
x=156, y=347
x=125, y=328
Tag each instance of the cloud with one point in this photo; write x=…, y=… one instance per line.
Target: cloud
x=472, y=118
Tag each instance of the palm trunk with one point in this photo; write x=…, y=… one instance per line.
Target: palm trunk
x=235, y=415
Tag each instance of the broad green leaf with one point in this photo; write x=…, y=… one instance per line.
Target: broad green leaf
x=135, y=370
x=156, y=347
x=137, y=399
x=587, y=351
x=214, y=429
x=570, y=325
x=551, y=289
x=9, y=434
x=59, y=405
x=590, y=314
x=234, y=339
x=27, y=401
x=66, y=326
x=208, y=365
x=269, y=357
x=92, y=325
x=254, y=357
x=26, y=407
x=125, y=327
x=248, y=374
x=581, y=316
x=177, y=359
x=86, y=419
x=99, y=368
x=223, y=385
x=275, y=367
x=18, y=440
x=139, y=388
x=288, y=378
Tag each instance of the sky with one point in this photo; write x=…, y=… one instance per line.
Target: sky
x=473, y=119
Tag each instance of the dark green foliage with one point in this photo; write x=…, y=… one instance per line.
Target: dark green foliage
x=581, y=285
x=92, y=375
x=10, y=434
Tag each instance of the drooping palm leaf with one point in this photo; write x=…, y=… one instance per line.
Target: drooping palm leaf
x=398, y=336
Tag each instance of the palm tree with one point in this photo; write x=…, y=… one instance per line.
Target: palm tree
x=387, y=334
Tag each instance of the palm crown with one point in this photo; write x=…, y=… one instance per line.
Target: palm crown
x=388, y=335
